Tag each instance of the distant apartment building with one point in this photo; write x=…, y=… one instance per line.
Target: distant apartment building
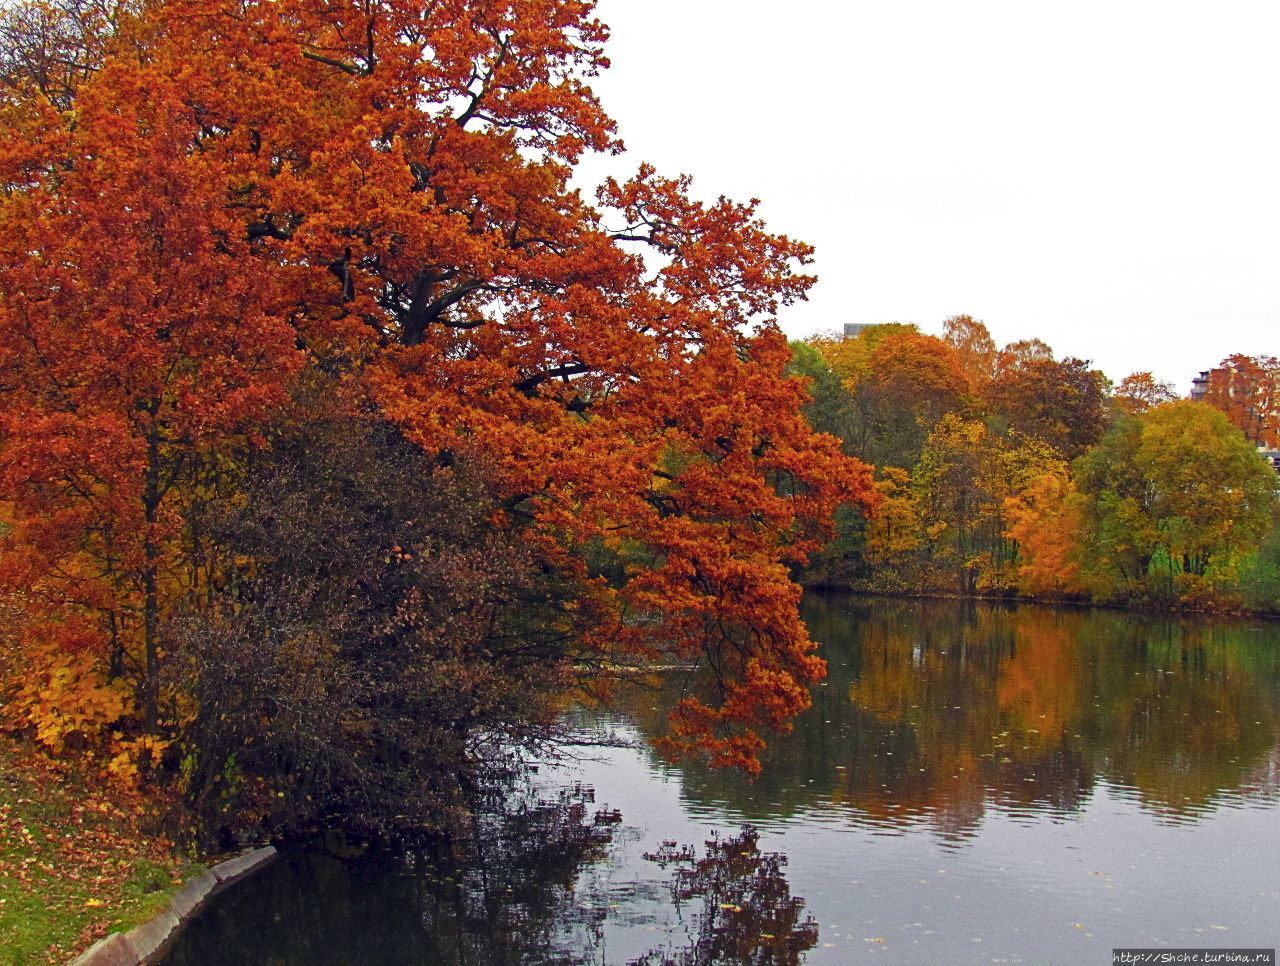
x=854, y=329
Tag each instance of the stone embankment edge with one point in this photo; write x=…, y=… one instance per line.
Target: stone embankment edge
x=145, y=944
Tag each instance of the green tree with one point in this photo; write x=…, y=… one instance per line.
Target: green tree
x=1171, y=502
x=1260, y=574
x=830, y=409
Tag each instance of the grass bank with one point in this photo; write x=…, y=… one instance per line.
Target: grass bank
x=76, y=861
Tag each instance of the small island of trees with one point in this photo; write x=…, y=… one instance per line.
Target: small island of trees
x=1008, y=472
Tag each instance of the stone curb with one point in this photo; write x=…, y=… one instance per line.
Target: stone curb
x=145, y=944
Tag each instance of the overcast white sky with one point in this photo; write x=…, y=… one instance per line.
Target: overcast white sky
x=1105, y=176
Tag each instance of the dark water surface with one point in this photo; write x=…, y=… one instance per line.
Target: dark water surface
x=974, y=784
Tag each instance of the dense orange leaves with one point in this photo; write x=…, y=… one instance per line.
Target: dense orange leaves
x=977, y=350
x=1140, y=391
x=137, y=329
x=1247, y=389
x=379, y=191
x=1045, y=521
x=920, y=369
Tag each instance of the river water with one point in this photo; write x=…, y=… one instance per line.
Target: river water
x=975, y=784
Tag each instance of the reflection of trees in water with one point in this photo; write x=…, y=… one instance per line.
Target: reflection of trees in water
x=743, y=910
x=984, y=699
x=512, y=891
x=1182, y=712
x=934, y=710
x=504, y=894
x=508, y=888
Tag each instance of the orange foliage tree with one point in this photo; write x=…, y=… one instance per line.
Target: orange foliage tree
x=977, y=350
x=1140, y=391
x=138, y=329
x=901, y=382
x=921, y=371
x=1044, y=519
x=379, y=191
x=1247, y=389
x=1018, y=354
x=1060, y=402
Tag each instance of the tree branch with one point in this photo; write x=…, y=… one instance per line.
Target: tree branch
x=351, y=69
x=530, y=383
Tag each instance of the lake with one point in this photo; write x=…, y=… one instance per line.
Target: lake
x=975, y=783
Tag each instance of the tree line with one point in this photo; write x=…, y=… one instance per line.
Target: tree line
x=1011, y=472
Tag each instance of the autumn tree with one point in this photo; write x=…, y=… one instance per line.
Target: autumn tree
x=122, y=359
x=919, y=371
x=1044, y=520
x=850, y=358
x=1060, y=402
x=1022, y=352
x=1140, y=391
x=50, y=49
x=975, y=347
x=951, y=489
x=901, y=383
x=1171, y=500
x=895, y=526
x=895, y=532
x=380, y=193
x=965, y=476
x=1247, y=389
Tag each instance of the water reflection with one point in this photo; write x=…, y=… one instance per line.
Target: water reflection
x=936, y=711
x=525, y=886
x=488, y=897
x=974, y=783
x=743, y=909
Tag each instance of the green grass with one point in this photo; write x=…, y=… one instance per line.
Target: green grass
x=74, y=864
